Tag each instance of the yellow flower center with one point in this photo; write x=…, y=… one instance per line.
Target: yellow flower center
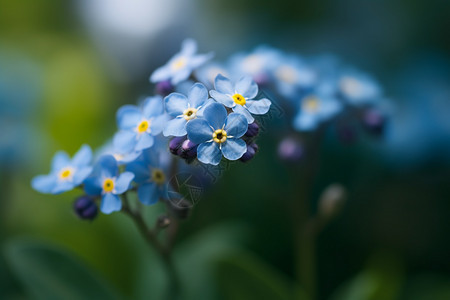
x=143, y=126
x=66, y=173
x=179, y=63
x=158, y=176
x=219, y=136
x=108, y=185
x=311, y=104
x=239, y=99
x=190, y=113
x=286, y=74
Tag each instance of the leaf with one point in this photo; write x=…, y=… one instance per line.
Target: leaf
x=427, y=286
x=49, y=272
x=245, y=276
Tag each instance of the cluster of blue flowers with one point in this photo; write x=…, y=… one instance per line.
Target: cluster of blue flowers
x=197, y=123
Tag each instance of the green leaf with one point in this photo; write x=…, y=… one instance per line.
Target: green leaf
x=245, y=276
x=427, y=286
x=49, y=272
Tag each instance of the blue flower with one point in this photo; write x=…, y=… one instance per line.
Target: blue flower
x=139, y=125
x=358, y=88
x=184, y=109
x=218, y=134
x=150, y=171
x=240, y=96
x=106, y=182
x=208, y=72
x=316, y=107
x=181, y=65
x=65, y=173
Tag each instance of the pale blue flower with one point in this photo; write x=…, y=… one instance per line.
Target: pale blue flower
x=105, y=181
x=181, y=65
x=358, y=88
x=209, y=71
x=65, y=173
x=240, y=96
x=218, y=134
x=139, y=125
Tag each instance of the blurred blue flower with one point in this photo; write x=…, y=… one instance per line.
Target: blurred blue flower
x=209, y=71
x=240, y=96
x=358, y=88
x=316, y=107
x=184, y=109
x=139, y=125
x=150, y=171
x=65, y=173
x=218, y=134
x=105, y=181
x=181, y=65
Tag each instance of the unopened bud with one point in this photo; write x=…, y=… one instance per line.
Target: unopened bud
x=164, y=88
x=175, y=144
x=332, y=200
x=85, y=208
x=374, y=121
x=250, y=153
x=290, y=149
x=188, y=150
x=162, y=221
x=253, y=130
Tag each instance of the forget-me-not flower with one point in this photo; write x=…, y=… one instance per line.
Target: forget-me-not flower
x=105, y=181
x=184, y=109
x=218, y=134
x=150, y=171
x=65, y=173
x=240, y=96
x=316, y=107
x=358, y=88
x=181, y=65
x=139, y=125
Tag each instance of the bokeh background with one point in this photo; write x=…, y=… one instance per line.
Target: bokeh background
x=66, y=66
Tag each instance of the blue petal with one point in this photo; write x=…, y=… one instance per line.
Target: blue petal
x=63, y=186
x=152, y=106
x=176, y=103
x=215, y=114
x=175, y=127
x=241, y=110
x=329, y=107
x=108, y=165
x=223, y=85
x=123, y=182
x=160, y=74
x=140, y=170
x=81, y=174
x=128, y=117
x=44, y=183
x=92, y=186
x=188, y=47
x=209, y=153
x=225, y=99
x=236, y=125
x=202, y=108
x=258, y=107
x=144, y=141
x=233, y=149
x=199, y=131
x=110, y=203
x=200, y=59
x=60, y=160
x=181, y=75
x=83, y=157
x=124, y=141
x=148, y=193
x=198, y=94
x=158, y=124
x=247, y=87
x=305, y=122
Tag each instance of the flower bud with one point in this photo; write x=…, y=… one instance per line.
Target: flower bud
x=251, y=151
x=188, y=150
x=290, y=149
x=164, y=88
x=331, y=201
x=253, y=130
x=85, y=208
x=162, y=221
x=374, y=121
x=175, y=144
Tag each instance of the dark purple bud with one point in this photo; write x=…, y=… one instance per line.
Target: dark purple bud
x=164, y=88
x=253, y=130
x=374, y=121
x=188, y=150
x=251, y=151
x=85, y=208
x=290, y=149
x=261, y=79
x=175, y=144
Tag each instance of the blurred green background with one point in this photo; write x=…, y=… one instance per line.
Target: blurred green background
x=65, y=68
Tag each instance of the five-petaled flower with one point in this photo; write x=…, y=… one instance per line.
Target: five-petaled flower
x=181, y=65
x=105, y=181
x=240, y=96
x=65, y=173
x=184, y=109
x=139, y=125
x=218, y=134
